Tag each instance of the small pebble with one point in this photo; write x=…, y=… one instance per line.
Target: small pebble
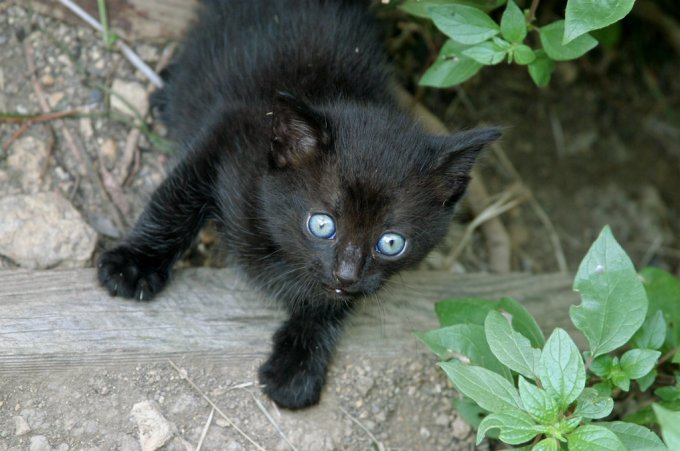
x=21, y=426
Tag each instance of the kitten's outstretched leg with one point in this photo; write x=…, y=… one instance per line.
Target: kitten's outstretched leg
x=295, y=373
x=141, y=265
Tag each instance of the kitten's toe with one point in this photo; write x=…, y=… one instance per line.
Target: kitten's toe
x=291, y=386
x=122, y=274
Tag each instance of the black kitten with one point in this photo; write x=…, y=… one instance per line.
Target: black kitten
x=293, y=144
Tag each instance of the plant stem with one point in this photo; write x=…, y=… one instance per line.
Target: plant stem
x=104, y=21
x=667, y=355
x=532, y=10
x=589, y=362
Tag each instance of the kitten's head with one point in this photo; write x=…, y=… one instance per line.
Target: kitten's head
x=356, y=193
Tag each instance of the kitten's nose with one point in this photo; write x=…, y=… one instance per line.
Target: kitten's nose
x=346, y=273
x=348, y=264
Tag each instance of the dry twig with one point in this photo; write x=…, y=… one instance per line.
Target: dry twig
x=50, y=151
x=28, y=121
x=38, y=118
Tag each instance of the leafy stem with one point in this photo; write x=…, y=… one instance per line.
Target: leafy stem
x=532, y=10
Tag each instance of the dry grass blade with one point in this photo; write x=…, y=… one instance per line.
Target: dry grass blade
x=199, y=445
x=126, y=168
x=507, y=201
x=183, y=375
x=378, y=444
x=85, y=166
x=123, y=47
x=533, y=203
x=271, y=420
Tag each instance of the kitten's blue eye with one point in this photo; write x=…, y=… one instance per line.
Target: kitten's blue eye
x=321, y=226
x=391, y=244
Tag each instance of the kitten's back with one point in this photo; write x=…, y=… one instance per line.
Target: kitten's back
x=242, y=52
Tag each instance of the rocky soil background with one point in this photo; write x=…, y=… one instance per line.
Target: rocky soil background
x=601, y=145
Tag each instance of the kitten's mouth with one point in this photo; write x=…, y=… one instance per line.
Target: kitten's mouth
x=340, y=293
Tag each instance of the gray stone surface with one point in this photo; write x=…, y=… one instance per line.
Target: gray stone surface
x=43, y=230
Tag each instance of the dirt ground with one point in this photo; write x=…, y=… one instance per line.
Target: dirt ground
x=600, y=146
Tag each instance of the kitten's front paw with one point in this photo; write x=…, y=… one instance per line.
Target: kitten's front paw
x=122, y=274
x=291, y=383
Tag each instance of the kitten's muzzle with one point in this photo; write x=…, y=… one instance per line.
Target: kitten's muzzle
x=348, y=267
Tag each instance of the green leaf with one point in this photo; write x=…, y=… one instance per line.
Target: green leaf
x=614, y=300
x=591, y=437
x=670, y=426
x=569, y=424
x=541, y=68
x=465, y=342
x=634, y=437
x=638, y=362
x=652, y=334
x=513, y=23
x=420, y=7
x=470, y=411
x=541, y=406
x=647, y=380
x=451, y=67
x=464, y=310
x=619, y=378
x=522, y=321
x=668, y=393
x=663, y=291
x=602, y=365
x=604, y=388
x=488, y=53
x=551, y=39
x=464, y=24
x=488, y=389
x=515, y=425
x=523, y=54
x=561, y=371
x=547, y=444
x=511, y=348
x=474, y=311
x=591, y=404
x=646, y=417
x=583, y=16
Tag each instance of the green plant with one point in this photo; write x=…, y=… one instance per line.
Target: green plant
x=545, y=394
x=108, y=37
x=476, y=40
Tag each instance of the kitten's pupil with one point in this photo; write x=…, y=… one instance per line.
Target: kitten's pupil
x=391, y=244
x=321, y=226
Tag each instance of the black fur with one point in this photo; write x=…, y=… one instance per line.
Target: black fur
x=281, y=109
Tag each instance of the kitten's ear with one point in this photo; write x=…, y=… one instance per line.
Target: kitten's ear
x=458, y=154
x=299, y=133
